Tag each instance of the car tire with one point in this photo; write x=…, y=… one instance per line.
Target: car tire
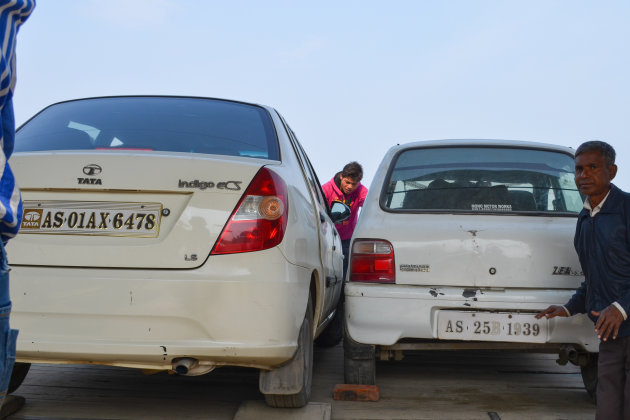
x=359, y=361
x=18, y=375
x=589, y=376
x=333, y=333
x=302, y=361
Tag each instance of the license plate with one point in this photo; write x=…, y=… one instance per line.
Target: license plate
x=491, y=326
x=97, y=218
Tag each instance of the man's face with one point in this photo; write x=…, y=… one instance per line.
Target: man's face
x=593, y=176
x=348, y=185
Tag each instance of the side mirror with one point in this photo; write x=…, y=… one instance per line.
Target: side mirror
x=339, y=212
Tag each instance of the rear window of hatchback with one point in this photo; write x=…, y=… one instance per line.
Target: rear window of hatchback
x=494, y=180
x=166, y=124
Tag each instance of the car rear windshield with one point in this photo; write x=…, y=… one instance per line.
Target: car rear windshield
x=482, y=179
x=169, y=124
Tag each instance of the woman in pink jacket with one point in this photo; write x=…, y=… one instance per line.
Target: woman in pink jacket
x=346, y=187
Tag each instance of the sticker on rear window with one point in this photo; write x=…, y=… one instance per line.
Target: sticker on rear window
x=491, y=207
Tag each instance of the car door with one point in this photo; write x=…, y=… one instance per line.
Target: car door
x=330, y=242
x=332, y=254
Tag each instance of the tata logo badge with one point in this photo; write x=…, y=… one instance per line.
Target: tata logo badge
x=31, y=218
x=92, y=169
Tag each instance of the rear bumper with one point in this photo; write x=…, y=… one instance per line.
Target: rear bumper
x=231, y=311
x=385, y=314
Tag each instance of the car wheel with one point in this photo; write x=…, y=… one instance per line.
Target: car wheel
x=333, y=333
x=18, y=375
x=301, y=364
x=359, y=362
x=589, y=376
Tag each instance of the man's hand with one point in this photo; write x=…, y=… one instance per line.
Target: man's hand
x=552, y=312
x=608, y=321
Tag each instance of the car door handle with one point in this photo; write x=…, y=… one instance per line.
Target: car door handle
x=322, y=218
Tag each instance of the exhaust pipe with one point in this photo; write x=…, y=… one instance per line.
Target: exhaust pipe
x=569, y=353
x=183, y=366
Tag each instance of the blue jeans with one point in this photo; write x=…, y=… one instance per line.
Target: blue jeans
x=8, y=336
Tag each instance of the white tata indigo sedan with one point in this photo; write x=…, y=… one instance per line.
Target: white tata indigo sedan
x=173, y=233
x=460, y=243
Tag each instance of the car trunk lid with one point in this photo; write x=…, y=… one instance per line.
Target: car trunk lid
x=479, y=251
x=125, y=209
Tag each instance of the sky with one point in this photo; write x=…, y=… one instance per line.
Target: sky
x=352, y=78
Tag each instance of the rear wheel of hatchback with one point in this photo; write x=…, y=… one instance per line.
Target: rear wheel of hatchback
x=589, y=376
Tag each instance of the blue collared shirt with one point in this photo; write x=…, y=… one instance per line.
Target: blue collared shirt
x=13, y=13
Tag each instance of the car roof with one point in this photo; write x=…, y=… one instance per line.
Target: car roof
x=163, y=96
x=483, y=142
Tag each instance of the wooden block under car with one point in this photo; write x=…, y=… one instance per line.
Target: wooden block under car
x=354, y=392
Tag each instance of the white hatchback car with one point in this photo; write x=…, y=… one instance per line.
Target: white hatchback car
x=460, y=243
x=173, y=233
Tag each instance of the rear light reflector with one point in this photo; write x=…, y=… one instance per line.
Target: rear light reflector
x=372, y=261
x=259, y=219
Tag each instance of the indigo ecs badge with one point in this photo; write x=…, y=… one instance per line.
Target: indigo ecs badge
x=202, y=185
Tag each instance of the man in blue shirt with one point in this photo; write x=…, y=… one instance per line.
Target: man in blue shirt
x=602, y=241
x=12, y=14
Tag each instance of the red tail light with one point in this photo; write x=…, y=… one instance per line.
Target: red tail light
x=260, y=217
x=372, y=261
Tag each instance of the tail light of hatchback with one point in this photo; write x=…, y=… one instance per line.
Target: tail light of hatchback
x=259, y=220
x=372, y=261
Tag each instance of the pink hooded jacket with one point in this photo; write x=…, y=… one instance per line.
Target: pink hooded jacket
x=353, y=200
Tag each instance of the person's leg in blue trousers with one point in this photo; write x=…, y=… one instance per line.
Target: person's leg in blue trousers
x=8, y=336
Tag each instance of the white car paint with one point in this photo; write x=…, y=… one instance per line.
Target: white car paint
x=147, y=302
x=463, y=261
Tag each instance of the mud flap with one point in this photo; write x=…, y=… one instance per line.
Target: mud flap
x=287, y=379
